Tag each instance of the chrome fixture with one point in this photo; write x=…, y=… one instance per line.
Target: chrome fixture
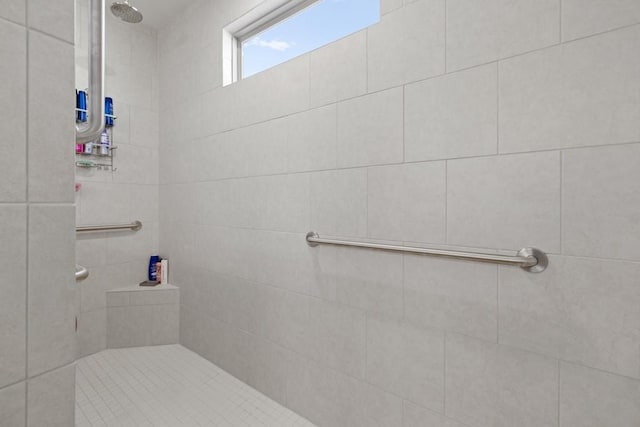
x=529, y=259
x=134, y=226
x=81, y=273
x=126, y=12
x=92, y=128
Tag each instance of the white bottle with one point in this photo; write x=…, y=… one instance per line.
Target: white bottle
x=105, y=143
x=164, y=272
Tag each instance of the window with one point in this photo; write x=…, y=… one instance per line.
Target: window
x=291, y=29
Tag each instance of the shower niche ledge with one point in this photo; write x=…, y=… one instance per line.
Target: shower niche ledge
x=141, y=316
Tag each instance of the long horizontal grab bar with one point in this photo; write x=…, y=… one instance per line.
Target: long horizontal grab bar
x=530, y=259
x=135, y=226
x=81, y=273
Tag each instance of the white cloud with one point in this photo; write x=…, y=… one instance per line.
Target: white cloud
x=278, y=45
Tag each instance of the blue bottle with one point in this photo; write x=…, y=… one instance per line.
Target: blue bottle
x=81, y=104
x=153, y=273
x=108, y=111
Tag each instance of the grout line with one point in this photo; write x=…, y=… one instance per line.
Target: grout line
x=498, y=108
x=28, y=214
x=560, y=20
x=445, y=35
x=559, y=390
x=446, y=201
x=561, y=191
x=404, y=123
x=35, y=30
x=444, y=369
x=11, y=21
x=498, y=277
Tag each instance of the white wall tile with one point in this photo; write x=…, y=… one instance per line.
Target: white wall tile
x=491, y=385
x=13, y=109
x=153, y=296
x=387, y=6
x=51, y=135
x=51, y=398
x=338, y=70
x=13, y=281
x=92, y=332
x=591, y=398
x=451, y=295
x=407, y=45
x=369, y=280
x=600, y=198
x=312, y=140
x=266, y=147
x=483, y=31
x=326, y=397
x=104, y=203
x=283, y=317
x=489, y=204
x=452, y=116
x=287, y=203
x=13, y=10
x=143, y=203
x=102, y=278
x=335, y=336
x=275, y=92
x=144, y=127
x=580, y=310
x=415, y=416
x=370, y=130
x=339, y=202
x=581, y=18
x=132, y=246
x=12, y=405
x=268, y=373
x=55, y=18
x=52, y=310
x=142, y=325
x=576, y=94
x=406, y=361
x=407, y=202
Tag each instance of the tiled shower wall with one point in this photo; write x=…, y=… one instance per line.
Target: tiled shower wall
x=494, y=124
x=37, y=236
x=131, y=192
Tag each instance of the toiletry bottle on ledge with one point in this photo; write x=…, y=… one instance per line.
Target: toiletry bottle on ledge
x=164, y=272
x=153, y=272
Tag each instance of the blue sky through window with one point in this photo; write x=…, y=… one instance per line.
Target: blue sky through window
x=317, y=25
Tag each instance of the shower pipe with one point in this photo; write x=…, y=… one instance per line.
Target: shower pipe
x=93, y=127
x=529, y=259
x=135, y=226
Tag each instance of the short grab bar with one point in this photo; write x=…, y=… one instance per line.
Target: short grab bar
x=529, y=259
x=81, y=273
x=135, y=226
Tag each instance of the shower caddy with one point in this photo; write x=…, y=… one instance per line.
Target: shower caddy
x=96, y=159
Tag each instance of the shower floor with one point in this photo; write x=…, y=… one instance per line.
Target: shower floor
x=169, y=386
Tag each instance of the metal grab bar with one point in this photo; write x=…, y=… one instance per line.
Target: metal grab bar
x=135, y=226
x=529, y=259
x=81, y=273
x=92, y=129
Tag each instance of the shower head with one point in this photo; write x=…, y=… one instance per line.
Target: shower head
x=126, y=12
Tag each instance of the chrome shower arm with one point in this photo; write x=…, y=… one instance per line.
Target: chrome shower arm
x=92, y=129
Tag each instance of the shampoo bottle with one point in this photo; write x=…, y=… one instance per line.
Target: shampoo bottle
x=153, y=272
